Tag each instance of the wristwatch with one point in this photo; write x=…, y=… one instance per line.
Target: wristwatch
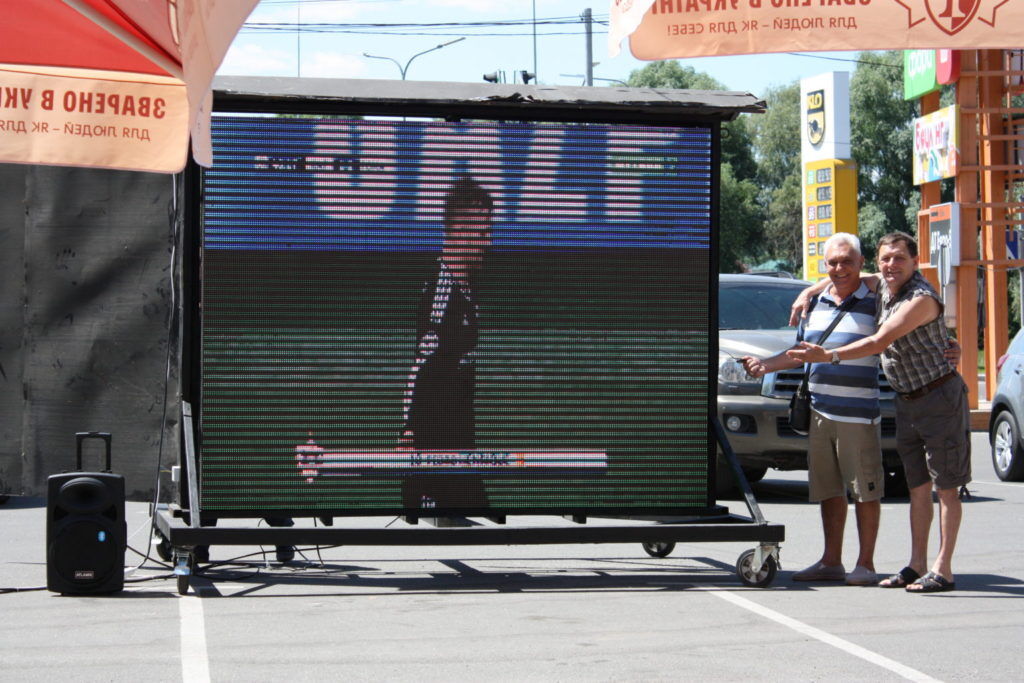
x=835, y=358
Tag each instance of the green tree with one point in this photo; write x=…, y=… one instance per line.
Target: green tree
x=741, y=215
x=783, y=229
x=740, y=218
x=776, y=136
x=737, y=149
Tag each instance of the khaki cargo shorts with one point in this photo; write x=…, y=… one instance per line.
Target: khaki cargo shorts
x=844, y=456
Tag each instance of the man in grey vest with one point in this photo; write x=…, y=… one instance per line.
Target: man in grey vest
x=932, y=415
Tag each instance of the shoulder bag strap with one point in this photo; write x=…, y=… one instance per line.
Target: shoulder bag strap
x=843, y=309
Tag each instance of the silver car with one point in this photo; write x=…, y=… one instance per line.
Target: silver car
x=1007, y=413
x=753, y=317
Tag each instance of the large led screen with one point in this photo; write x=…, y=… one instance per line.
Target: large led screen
x=425, y=316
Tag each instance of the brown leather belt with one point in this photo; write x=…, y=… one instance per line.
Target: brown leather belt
x=918, y=393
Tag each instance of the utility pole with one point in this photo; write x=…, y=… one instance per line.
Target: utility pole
x=534, y=38
x=588, y=19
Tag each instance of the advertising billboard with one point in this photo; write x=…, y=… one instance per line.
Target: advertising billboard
x=937, y=145
x=920, y=74
x=427, y=317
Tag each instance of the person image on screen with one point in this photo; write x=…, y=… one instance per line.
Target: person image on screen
x=844, y=444
x=438, y=403
x=932, y=415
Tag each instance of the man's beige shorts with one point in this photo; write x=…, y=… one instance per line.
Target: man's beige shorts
x=844, y=456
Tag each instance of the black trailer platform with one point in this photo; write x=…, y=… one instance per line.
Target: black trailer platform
x=755, y=567
x=181, y=532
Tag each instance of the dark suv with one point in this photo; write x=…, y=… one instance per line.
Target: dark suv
x=753, y=316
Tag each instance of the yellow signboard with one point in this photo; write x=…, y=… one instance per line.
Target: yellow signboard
x=830, y=206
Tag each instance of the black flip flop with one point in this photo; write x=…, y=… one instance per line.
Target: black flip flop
x=900, y=579
x=932, y=583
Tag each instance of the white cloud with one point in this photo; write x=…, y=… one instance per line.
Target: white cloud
x=248, y=59
x=333, y=65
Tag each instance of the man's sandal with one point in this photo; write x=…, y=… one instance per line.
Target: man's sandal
x=900, y=579
x=932, y=583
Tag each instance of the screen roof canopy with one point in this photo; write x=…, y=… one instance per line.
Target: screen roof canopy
x=649, y=105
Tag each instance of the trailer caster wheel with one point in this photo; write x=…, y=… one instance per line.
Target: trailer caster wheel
x=659, y=549
x=164, y=550
x=184, y=566
x=753, y=576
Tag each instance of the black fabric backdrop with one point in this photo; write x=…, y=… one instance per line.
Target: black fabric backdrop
x=87, y=324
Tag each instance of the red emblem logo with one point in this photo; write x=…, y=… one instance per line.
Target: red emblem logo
x=952, y=15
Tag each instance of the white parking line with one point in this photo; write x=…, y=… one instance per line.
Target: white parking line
x=827, y=638
x=195, y=664
x=1015, y=484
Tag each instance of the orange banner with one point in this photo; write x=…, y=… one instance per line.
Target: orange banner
x=695, y=28
x=50, y=118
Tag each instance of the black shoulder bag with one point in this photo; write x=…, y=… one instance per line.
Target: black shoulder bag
x=800, y=403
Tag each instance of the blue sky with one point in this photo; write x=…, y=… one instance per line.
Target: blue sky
x=333, y=51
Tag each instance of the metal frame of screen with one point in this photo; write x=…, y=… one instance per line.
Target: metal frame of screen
x=221, y=304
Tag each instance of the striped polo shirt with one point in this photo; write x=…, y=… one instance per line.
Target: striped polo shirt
x=918, y=357
x=847, y=392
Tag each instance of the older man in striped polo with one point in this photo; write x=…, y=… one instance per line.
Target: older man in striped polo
x=844, y=450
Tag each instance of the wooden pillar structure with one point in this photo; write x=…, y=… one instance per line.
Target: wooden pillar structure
x=966, y=194
x=990, y=168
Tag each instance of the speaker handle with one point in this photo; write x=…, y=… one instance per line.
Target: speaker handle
x=82, y=436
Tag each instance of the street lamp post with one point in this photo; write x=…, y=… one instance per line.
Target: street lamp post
x=404, y=69
x=595, y=78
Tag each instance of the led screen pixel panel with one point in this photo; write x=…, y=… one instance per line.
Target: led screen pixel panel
x=428, y=316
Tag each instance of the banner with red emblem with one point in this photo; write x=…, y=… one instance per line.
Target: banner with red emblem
x=696, y=28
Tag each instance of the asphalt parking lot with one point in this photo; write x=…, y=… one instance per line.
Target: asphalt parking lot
x=586, y=612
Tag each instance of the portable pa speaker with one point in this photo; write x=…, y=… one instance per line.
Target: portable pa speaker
x=86, y=534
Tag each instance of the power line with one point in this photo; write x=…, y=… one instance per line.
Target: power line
x=419, y=29
x=372, y=32
x=842, y=59
x=291, y=26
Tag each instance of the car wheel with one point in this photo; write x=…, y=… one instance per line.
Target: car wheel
x=659, y=549
x=896, y=483
x=755, y=473
x=1007, y=459
x=724, y=481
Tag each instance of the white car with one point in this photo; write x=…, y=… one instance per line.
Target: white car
x=1008, y=412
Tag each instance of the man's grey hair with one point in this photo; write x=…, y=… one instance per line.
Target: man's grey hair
x=843, y=238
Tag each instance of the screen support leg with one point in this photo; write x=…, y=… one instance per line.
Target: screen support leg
x=190, y=465
x=737, y=471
